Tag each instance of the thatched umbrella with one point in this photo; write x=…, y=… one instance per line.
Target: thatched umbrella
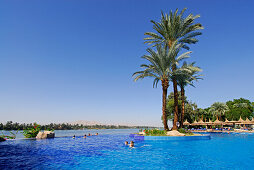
x=227, y=122
x=201, y=122
x=240, y=121
x=248, y=122
x=217, y=122
x=186, y=123
x=194, y=123
x=209, y=122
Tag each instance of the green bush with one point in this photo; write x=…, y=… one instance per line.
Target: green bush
x=155, y=132
x=12, y=136
x=181, y=130
x=187, y=133
x=32, y=132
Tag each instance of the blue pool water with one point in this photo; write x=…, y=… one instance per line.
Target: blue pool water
x=107, y=151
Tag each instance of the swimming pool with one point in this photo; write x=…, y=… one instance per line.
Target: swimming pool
x=107, y=151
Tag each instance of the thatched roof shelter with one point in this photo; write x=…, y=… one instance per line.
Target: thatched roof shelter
x=245, y=122
x=227, y=122
x=201, y=122
x=209, y=122
x=217, y=122
x=186, y=123
x=194, y=123
x=240, y=121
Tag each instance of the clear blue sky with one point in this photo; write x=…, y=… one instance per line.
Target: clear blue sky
x=73, y=60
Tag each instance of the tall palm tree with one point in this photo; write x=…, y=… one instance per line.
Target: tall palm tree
x=185, y=76
x=174, y=27
x=160, y=62
x=218, y=109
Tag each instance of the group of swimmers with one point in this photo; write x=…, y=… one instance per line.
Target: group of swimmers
x=86, y=135
x=131, y=144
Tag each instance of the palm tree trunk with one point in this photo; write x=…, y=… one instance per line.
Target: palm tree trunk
x=175, y=104
x=183, y=101
x=165, y=85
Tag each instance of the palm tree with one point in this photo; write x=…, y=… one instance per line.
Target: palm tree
x=218, y=108
x=173, y=27
x=160, y=62
x=241, y=105
x=185, y=76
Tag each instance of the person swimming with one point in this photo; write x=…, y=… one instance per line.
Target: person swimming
x=74, y=137
x=84, y=136
x=131, y=144
x=126, y=142
x=97, y=134
x=89, y=134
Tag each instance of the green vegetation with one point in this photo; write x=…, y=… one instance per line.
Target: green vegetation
x=64, y=126
x=218, y=109
x=239, y=107
x=187, y=74
x=231, y=110
x=187, y=133
x=172, y=33
x=12, y=136
x=32, y=132
x=155, y=132
x=174, y=28
x=159, y=68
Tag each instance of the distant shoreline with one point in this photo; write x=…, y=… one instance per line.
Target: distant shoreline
x=9, y=125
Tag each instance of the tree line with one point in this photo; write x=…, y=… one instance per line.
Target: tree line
x=230, y=110
x=9, y=125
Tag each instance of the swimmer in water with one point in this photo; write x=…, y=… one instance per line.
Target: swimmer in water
x=97, y=134
x=126, y=143
x=84, y=136
x=131, y=144
x=89, y=134
x=74, y=137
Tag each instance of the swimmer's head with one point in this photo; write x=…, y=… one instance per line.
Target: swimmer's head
x=126, y=143
x=132, y=144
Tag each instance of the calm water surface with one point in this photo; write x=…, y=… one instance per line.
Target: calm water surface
x=107, y=151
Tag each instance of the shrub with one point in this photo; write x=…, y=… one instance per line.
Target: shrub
x=181, y=130
x=155, y=132
x=32, y=132
x=187, y=133
x=13, y=136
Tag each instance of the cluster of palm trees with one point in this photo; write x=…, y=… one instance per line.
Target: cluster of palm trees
x=172, y=33
x=218, y=109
